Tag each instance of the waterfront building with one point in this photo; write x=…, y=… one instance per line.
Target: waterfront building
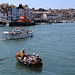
x=40, y=16
x=4, y=5
x=3, y=15
x=20, y=11
x=27, y=11
x=44, y=16
x=7, y=9
x=14, y=14
x=9, y=13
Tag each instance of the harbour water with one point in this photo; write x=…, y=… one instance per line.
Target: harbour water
x=55, y=43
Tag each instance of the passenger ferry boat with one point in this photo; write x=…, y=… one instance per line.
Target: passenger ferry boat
x=17, y=33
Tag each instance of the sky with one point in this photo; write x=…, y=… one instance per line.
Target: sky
x=46, y=4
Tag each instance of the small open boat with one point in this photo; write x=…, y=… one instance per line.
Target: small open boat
x=27, y=62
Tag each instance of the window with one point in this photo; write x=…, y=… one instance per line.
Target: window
x=3, y=14
x=14, y=14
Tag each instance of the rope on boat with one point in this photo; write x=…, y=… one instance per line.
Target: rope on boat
x=7, y=58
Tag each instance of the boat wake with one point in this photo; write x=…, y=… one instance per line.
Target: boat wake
x=2, y=39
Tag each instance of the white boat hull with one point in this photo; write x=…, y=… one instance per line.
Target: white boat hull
x=17, y=35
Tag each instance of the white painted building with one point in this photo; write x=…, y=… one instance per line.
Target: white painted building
x=40, y=15
x=3, y=15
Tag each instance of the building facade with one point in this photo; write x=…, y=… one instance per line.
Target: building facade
x=27, y=12
x=3, y=15
x=20, y=11
x=14, y=14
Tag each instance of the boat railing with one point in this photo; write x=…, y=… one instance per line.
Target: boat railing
x=8, y=30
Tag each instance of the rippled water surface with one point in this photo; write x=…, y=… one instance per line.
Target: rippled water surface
x=55, y=43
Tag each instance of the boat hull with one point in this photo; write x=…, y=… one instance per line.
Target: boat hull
x=21, y=61
x=17, y=37
x=21, y=24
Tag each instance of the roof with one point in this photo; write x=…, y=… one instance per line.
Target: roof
x=24, y=19
x=20, y=6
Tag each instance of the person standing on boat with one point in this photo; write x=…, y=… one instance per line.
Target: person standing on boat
x=27, y=31
x=22, y=53
x=23, y=50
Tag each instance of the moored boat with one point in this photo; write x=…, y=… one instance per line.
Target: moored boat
x=17, y=33
x=1, y=25
x=30, y=61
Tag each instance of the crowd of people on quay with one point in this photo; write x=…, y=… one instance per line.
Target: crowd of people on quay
x=28, y=58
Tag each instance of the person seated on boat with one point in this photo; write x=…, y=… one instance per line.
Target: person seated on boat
x=34, y=56
x=24, y=55
x=25, y=59
x=31, y=61
x=38, y=58
x=27, y=55
x=18, y=54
